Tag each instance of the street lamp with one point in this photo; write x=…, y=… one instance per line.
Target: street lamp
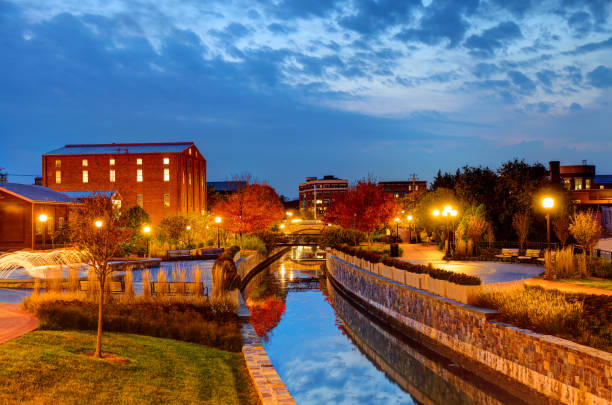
x=289, y=213
x=43, y=220
x=218, y=221
x=450, y=213
x=548, y=203
x=98, y=223
x=188, y=229
x=146, y=230
x=409, y=218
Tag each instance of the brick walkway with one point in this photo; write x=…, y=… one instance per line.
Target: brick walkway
x=268, y=383
x=14, y=322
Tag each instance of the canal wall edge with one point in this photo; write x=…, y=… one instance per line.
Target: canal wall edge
x=560, y=369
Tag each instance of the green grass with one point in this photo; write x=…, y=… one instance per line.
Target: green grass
x=49, y=367
x=603, y=284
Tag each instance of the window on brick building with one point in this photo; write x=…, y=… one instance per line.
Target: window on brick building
x=112, y=176
x=58, y=163
x=85, y=162
x=139, y=200
x=85, y=176
x=166, y=200
x=139, y=175
x=577, y=184
x=190, y=179
x=139, y=161
x=111, y=162
x=587, y=184
x=183, y=177
x=166, y=174
x=58, y=177
x=190, y=151
x=567, y=183
x=166, y=161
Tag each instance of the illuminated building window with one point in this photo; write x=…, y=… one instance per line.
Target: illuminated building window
x=166, y=174
x=85, y=163
x=58, y=177
x=567, y=183
x=166, y=161
x=587, y=184
x=577, y=184
x=85, y=176
x=111, y=162
x=112, y=176
x=139, y=175
x=166, y=200
x=139, y=200
x=190, y=179
x=58, y=163
x=139, y=161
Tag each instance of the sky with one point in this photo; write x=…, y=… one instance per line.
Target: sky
x=284, y=89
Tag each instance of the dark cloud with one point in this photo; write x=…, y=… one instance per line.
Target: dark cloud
x=525, y=84
x=442, y=20
x=573, y=74
x=517, y=7
x=546, y=77
x=485, y=70
x=231, y=32
x=580, y=22
x=485, y=44
x=601, y=77
x=371, y=17
x=575, y=107
x=598, y=8
x=592, y=47
x=277, y=28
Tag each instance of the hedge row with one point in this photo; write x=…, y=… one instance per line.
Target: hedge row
x=439, y=274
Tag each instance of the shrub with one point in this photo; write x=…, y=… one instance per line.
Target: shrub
x=210, y=322
x=336, y=235
x=601, y=268
x=252, y=242
x=377, y=257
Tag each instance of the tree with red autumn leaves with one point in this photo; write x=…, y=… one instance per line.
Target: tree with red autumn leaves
x=254, y=208
x=365, y=206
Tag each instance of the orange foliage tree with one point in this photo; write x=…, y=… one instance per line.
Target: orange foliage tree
x=365, y=206
x=254, y=208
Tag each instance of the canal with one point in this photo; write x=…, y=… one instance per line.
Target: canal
x=328, y=351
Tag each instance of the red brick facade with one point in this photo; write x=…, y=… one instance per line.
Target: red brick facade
x=163, y=183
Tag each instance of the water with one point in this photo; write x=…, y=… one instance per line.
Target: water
x=329, y=352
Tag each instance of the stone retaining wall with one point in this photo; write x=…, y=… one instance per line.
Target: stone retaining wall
x=560, y=369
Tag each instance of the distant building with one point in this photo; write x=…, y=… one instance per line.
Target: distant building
x=404, y=188
x=587, y=189
x=219, y=190
x=316, y=195
x=162, y=178
x=21, y=207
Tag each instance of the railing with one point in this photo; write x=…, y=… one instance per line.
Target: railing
x=298, y=239
x=605, y=254
x=513, y=245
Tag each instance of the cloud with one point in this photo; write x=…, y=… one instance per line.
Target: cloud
x=573, y=74
x=575, y=107
x=580, y=22
x=592, y=47
x=490, y=40
x=277, y=28
x=601, y=77
x=525, y=84
x=517, y=7
x=441, y=21
x=485, y=70
x=546, y=77
x=370, y=17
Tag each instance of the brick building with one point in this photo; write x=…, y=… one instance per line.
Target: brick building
x=587, y=189
x=404, y=188
x=316, y=195
x=162, y=178
x=21, y=207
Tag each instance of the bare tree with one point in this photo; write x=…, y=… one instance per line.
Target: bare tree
x=97, y=231
x=520, y=223
x=586, y=230
x=561, y=227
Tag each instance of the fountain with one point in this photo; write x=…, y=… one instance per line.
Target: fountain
x=37, y=264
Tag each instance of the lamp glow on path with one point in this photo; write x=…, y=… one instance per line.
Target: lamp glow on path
x=98, y=223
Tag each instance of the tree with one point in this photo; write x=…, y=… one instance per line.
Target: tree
x=173, y=230
x=436, y=199
x=561, y=228
x=475, y=224
x=135, y=217
x=97, y=231
x=252, y=209
x=586, y=230
x=520, y=223
x=364, y=206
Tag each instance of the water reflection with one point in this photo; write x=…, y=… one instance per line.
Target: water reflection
x=326, y=351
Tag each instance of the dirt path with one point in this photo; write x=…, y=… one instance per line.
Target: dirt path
x=14, y=322
x=566, y=287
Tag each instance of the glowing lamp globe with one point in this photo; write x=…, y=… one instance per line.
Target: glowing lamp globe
x=548, y=203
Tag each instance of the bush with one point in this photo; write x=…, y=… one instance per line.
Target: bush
x=336, y=235
x=377, y=257
x=252, y=242
x=209, y=322
x=269, y=240
x=601, y=268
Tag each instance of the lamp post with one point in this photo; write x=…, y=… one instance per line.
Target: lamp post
x=43, y=221
x=548, y=203
x=409, y=218
x=188, y=229
x=397, y=221
x=98, y=223
x=448, y=213
x=146, y=230
x=218, y=221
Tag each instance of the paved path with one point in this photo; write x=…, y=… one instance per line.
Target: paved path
x=14, y=322
x=489, y=272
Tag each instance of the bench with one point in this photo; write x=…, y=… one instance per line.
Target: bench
x=182, y=253
x=113, y=286
x=173, y=287
x=508, y=254
x=530, y=255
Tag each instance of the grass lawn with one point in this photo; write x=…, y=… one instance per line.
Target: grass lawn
x=603, y=284
x=49, y=367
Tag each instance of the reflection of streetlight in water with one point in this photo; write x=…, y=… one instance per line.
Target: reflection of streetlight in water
x=291, y=275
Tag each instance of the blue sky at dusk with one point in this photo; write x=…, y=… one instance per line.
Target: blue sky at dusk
x=296, y=88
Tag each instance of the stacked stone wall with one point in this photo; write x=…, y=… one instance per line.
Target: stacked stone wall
x=560, y=369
